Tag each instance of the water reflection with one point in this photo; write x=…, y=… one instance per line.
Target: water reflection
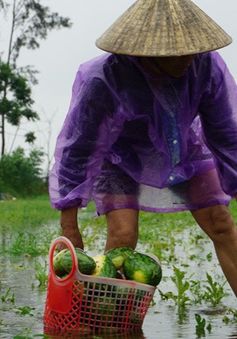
x=233, y=335
x=3, y=238
x=162, y=321
x=137, y=335
x=214, y=311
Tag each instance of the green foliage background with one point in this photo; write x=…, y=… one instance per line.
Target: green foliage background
x=21, y=174
x=29, y=22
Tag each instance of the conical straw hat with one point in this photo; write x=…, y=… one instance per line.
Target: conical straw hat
x=163, y=28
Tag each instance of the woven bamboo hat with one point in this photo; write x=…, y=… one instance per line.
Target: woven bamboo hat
x=163, y=28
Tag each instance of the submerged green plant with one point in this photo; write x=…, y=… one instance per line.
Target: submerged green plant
x=201, y=326
x=25, y=243
x=8, y=296
x=209, y=256
x=230, y=316
x=25, y=310
x=41, y=274
x=214, y=291
x=26, y=333
x=195, y=288
x=31, y=244
x=181, y=299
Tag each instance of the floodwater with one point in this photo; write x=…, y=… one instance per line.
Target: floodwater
x=22, y=305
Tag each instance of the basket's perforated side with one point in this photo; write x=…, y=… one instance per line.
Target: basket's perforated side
x=81, y=304
x=99, y=307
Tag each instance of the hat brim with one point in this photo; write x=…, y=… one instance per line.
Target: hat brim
x=163, y=28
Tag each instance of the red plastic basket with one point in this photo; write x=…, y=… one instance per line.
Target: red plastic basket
x=82, y=304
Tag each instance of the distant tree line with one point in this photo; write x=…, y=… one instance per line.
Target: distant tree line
x=20, y=175
x=30, y=22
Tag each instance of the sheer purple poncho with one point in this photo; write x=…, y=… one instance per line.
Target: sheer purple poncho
x=132, y=139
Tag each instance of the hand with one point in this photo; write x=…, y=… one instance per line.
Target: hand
x=70, y=228
x=74, y=235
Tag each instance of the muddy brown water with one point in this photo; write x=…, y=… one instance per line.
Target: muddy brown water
x=161, y=322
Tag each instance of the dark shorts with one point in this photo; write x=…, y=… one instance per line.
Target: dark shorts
x=114, y=189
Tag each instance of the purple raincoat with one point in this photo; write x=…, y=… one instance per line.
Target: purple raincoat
x=132, y=139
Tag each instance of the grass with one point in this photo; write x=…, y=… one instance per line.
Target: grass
x=160, y=234
x=27, y=227
x=19, y=214
x=32, y=212
x=24, y=226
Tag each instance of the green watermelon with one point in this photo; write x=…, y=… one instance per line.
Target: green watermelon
x=118, y=255
x=142, y=268
x=104, y=267
x=62, y=262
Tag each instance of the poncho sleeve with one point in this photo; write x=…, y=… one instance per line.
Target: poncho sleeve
x=218, y=112
x=90, y=128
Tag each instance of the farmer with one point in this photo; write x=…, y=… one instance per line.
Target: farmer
x=152, y=126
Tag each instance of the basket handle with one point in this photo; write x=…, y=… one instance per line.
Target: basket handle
x=71, y=248
x=60, y=290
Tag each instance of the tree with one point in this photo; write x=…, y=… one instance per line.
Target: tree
x=16, y=102
x=30, y=137
x=20, y=174
x=30, y=23
x=2, y=4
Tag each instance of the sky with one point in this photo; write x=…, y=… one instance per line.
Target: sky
x=59, y=57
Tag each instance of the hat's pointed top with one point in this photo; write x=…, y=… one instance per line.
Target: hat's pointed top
x=163, y=28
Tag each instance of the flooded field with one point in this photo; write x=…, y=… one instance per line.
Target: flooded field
x=192, y=301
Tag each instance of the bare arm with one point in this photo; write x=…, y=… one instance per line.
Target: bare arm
x=70, y=227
